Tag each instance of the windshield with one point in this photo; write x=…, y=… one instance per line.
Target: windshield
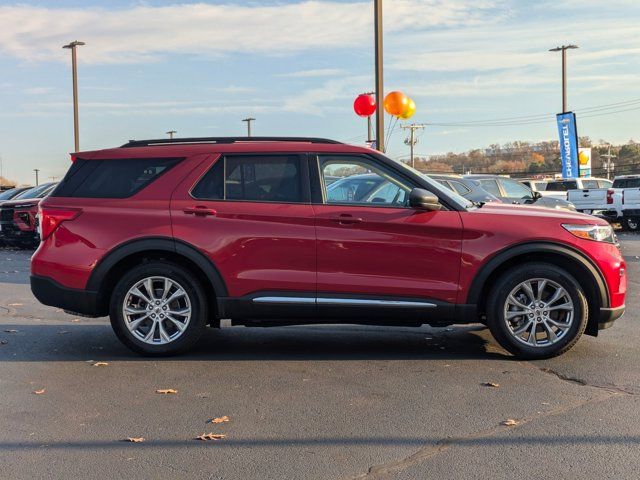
x=439, y=189
x=35, y=192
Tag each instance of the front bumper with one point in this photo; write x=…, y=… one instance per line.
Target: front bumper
x=49, y=292
x=608, y=316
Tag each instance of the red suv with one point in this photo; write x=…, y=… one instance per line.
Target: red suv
x=169, y=236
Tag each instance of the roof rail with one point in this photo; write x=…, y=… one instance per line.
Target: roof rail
x=192, y=140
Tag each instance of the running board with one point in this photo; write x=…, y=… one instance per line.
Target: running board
x=352, y=302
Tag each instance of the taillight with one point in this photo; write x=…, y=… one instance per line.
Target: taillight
x=609, y=197
x=73, y=157
x=52, y=217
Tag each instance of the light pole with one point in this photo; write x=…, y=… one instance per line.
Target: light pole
x=248, y=120
x=74, y=67
x=564, y=49
x=377, y=20
x=36, y=170
x=171, y=133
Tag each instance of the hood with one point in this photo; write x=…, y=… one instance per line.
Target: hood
x=539, y=212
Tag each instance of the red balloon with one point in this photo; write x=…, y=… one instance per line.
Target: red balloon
x=364, y=105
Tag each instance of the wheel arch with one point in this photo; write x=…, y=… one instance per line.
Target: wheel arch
x=110, y=268
x=581, y=267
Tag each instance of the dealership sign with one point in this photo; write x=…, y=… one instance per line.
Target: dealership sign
x=584, y=159
x=568, y=144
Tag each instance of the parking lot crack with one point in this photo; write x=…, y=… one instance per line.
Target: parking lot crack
x=384, y=470
x=584, y=383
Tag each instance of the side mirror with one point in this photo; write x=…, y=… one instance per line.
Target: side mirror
x=422, y=199
x=536, y=196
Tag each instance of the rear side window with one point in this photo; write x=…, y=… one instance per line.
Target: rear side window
x=491, y=186
x=119, y=178
x=589, y=184
x=260, y=178
x=562, y=186
x=626, y=183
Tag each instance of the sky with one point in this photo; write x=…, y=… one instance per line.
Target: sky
x=297, y=65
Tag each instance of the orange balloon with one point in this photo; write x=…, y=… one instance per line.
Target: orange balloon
x=409, y=109
x=395, y=103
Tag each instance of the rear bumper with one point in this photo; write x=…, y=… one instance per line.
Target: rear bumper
x=49, y=292
x=10, y=233
x=608, y=316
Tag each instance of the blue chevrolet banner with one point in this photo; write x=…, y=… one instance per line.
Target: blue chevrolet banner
x=568, y=144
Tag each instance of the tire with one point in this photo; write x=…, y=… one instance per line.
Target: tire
x=170, y=337
x=569, y=311
x=631, y=224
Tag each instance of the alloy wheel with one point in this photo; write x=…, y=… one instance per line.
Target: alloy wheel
x=538, y=312
x=156, y=310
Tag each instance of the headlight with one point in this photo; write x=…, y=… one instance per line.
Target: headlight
x=597, y=233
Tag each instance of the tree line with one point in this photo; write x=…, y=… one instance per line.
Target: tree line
x=521, y=158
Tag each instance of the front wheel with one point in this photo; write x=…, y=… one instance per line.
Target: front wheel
x=158, y=308
x=537, y=310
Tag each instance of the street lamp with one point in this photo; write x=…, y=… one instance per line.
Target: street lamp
x=564, y=49
x=74, y=68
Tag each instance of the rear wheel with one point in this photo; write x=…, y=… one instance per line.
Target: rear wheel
x=631, y=224
x=158, y=308
x=537, y=310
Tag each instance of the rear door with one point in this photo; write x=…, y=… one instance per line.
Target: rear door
x=373, y=250
x=251, y=215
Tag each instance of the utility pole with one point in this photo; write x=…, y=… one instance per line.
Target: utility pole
x=412, y=140
x=377, y=20
x=74, y=69
x=171, y=133
x=36, y=170
x=1, y=178
x=248, y=120
x=609, y=166
x=564, y=49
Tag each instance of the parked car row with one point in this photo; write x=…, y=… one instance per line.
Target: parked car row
x=19, y=215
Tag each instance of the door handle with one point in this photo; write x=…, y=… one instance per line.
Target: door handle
x=346, y=219
x=200, y=211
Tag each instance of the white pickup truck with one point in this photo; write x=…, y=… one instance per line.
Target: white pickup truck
x=607, y=202
x=631, y=202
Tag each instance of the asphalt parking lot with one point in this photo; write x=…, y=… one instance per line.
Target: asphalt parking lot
x=319, y=402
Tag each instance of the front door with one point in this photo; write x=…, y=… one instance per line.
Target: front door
x=375, y=250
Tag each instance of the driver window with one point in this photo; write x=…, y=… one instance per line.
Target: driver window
x=358, y=180
x=514, y=189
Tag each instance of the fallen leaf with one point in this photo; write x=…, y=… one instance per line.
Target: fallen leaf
x=39, y=392
x=166, y=391
x=134, y=439
x=219, y=419
x=491, y=384
x=11, y=331
x=210, y=436
x=510, y=422
x=101, y=364
x=3, y=342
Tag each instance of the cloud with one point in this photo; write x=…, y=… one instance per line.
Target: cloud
x=37, y=90
x=318, y=72
x=143, y=33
